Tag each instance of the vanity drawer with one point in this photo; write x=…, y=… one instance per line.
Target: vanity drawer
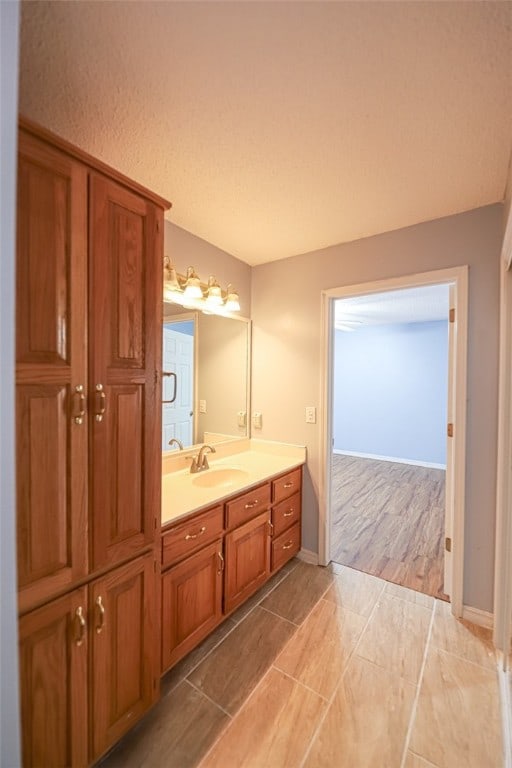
x=286, y=513
x=285, y=546
x=286, y=485
x=193, y=533
x=248, y=505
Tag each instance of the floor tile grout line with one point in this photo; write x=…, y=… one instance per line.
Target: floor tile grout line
x=464, y=658
x=278, y=616
x=336, y=688
x=299, y=682
x=428, y=763
x=205, y=695
x=272, y=666
x=235, y=625
x=233, y=718
x=412, y=716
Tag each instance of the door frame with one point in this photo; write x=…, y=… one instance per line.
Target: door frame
x=503, y=552
x=455, y=511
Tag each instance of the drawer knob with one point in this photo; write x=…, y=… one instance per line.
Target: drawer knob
x=288, y=545
x=288, y=485
x=290, y=512
x=251, y=504
x=195, y=535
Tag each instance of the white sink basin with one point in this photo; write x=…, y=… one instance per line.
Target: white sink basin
x=222, y=477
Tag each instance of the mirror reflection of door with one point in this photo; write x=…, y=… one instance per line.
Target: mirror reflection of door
x=178, y=389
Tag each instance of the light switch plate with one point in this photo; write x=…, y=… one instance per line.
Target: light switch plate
x=242, y=418
x=202, y=406
x=257, y=420
x=310, y=414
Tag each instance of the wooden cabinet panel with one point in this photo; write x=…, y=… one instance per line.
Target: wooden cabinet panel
x=247, y=505
x=191, y=602
x=125, y=673
x=192, y=534
x=53, y=683
x=125, y=297
x=286, y=485
x=286, y=513
x=285, y=546
x=51, y=293
x=247, y=552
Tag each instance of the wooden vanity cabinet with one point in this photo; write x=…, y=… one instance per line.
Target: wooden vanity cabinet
x=286, y=517
x=53, y=648
x=191, y=602
x=247, y=560
x=88, y=312
x=214, y=560
x=124, y=669
x=193, y=565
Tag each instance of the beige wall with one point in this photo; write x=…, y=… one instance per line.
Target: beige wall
x=286, y=354
x=185, y=249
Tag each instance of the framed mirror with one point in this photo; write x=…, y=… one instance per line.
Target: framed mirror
x=206, y=375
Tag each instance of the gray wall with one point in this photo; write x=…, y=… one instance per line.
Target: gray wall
x=286, y=314
x=185, y=249
x=9, y=712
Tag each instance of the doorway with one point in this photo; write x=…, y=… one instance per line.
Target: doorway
x=363, y=470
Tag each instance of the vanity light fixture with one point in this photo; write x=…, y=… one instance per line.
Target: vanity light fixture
x=232, y=301
x=188, y=291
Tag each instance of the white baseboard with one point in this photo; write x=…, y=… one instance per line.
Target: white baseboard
x=393, y=459
x=506, y=709
x=307, y=556
x=477, y=616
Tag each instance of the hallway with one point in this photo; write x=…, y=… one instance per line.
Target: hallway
x=328, y=668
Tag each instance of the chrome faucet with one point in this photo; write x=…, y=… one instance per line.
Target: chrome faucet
x=175, y=441
x=200, y=462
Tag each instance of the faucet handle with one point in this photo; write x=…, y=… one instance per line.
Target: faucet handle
x=205, y=464
x=194, y=466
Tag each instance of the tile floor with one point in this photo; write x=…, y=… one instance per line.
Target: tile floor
x=328, y=668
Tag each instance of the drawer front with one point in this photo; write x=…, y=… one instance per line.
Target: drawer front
x=247, y=506
x=285, y=546
x=286, y=513
x=192, y=534
x=286, y=485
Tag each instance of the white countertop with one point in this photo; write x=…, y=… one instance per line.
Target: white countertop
x=257, y=462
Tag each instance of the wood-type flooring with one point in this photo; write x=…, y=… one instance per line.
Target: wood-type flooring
x=387, y=519
x=328, y=668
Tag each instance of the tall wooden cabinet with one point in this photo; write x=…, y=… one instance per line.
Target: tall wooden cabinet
x=88, y=303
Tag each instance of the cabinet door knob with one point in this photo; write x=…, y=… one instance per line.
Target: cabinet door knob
x=101, y=615
x=80, y=620
x=100, y=402
x=78, y=404
x=195, y=535
x=221, y=560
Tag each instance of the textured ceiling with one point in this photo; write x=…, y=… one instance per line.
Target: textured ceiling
x=277, y=128
x=407, y=305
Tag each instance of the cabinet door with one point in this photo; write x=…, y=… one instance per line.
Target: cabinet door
x=53, y=683
x=247, y=560
x=125, y=331
x=51, y=445
x=191, y=602
x=125, y=668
